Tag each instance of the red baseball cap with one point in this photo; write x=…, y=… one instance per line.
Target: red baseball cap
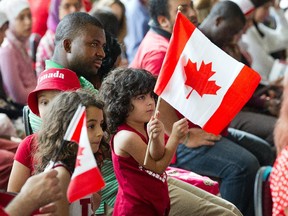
x=61, y=79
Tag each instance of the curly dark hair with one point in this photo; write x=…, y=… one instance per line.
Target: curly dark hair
x=54, y=126
x=117, y=90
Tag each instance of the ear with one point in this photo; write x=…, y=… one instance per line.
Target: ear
x=67, y=45
x=163, y=22
x=218, y=20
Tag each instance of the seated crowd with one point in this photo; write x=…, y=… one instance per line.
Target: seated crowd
x=107, y=55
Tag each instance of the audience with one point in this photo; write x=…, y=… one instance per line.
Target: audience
x=181, y=194
x=262, y=40
x=89, y=48
x=16, y=65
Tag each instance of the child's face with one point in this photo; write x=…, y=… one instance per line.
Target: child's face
x=144, y=108
x=22, y=25
x=94, y=121
x=44, y=98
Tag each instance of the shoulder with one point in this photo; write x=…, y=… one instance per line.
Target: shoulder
x=63, y=175
x=126, y=136
x=25, y=145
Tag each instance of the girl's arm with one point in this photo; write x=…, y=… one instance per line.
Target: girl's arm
x=63, y=204
x=130, y=144
x=18, y=177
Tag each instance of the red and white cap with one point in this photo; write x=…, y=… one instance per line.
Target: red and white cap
x=246, y=6
x=61, y=79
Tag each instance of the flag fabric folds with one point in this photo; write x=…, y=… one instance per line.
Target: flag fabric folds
x=86, y=178
x=201, y=81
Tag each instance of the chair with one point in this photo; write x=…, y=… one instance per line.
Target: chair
x=262, y=193
x=27, y=126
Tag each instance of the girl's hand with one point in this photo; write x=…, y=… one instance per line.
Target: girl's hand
x=180, y=129
x=156, y=127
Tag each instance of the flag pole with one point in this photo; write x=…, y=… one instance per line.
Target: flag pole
x=150, y=136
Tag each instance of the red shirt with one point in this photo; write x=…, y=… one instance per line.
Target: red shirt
x=25, y=151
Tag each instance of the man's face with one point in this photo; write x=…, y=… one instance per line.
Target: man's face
x=187, y=9
x=87, y=51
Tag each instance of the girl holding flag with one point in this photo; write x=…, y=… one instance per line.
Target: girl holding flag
x=51, y=146
x=130, y=105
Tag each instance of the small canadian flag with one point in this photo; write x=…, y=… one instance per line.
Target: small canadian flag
x=86, y=178
x=201, y=81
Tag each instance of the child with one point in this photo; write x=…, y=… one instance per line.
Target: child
x=61, y=110
x=50, y=83
x=130, y=105
x=18, y=75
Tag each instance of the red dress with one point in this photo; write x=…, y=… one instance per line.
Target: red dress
x=141, y=191
x=279, y=183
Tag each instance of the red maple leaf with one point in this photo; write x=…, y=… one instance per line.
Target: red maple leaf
x=80, y=153
x=198, y=80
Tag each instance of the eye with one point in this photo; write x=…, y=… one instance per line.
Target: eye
x=43, y=102
x=91, y=126
x=140, y=97
x=95, y=44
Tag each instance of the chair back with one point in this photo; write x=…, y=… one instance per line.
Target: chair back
x=27, y=126
x=262, y=193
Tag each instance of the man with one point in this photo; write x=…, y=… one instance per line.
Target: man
x=79, y=46
x=209, y=154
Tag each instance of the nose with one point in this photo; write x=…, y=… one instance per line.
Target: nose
x=73, y=8
x=28, y=20
x=100, y=132
x=100, y=52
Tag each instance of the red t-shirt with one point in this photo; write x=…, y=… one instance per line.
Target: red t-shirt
x=25, y=151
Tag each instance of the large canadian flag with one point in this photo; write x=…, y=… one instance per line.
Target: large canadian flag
x=86, y=178
x=201, y=81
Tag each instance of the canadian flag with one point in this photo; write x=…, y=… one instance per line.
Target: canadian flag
x=201, y=81
x=86, y=178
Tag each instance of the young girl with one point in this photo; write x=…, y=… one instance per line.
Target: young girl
x=50, y=83
x=18, y=75
x=130, y=105
x=50, y=138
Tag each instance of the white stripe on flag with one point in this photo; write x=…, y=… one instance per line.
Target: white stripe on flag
x=74, y=122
